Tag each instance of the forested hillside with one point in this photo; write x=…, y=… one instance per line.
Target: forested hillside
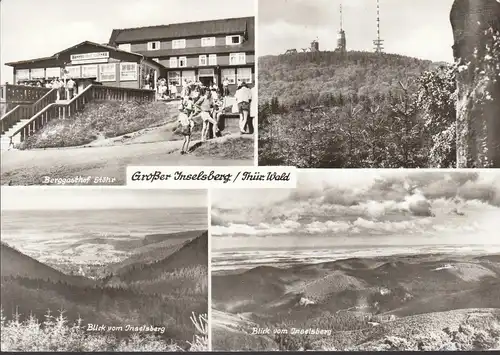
x=328, y=110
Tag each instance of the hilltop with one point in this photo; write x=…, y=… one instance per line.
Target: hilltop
x=364, y=302
x=358, y=110
x=304, y=77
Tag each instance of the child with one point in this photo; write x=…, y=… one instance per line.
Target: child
x=217, y=114
x=186, y=125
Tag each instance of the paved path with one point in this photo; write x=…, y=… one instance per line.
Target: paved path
x=29, y=167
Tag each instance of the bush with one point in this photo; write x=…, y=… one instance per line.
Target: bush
x=55, y=334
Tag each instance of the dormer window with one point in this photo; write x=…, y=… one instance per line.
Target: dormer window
x=153, y=46
x=125, y=47
x=233, y=40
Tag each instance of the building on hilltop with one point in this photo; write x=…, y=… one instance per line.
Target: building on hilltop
x=315, y=46
x=208, y=51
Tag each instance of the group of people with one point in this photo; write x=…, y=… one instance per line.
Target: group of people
x=66, y=89
x=202, y=101
x=208, y=103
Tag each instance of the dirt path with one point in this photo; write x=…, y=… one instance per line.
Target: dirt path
x=31, y=166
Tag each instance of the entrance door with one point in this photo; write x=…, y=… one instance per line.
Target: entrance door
x=207, y=80
x=206, y=76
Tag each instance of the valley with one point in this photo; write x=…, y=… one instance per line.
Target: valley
x=143, y=289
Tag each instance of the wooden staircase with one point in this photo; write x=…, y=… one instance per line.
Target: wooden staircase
x=25, y=120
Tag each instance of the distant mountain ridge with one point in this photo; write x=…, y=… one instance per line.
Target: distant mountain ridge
x=191, y=253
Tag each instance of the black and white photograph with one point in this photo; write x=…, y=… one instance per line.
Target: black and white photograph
x=379, y=83
x=100, y=85
x=359, y=260
x=103, y=270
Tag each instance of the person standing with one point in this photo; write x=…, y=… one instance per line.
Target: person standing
x=243, y=98
x=225, y=87
x=206, y=104
x=70, y=85
x=253, y=110
x=57, y=85
x=186, y=127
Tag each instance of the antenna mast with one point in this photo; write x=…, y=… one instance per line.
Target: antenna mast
x=341, y=19
x=378, y=43
x=341, y=40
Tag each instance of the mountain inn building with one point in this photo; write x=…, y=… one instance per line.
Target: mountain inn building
x=88, y=63
x=205, y=51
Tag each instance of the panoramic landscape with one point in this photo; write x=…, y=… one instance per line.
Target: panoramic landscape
x=359, y=260
x=379, y=84
x=103, y=270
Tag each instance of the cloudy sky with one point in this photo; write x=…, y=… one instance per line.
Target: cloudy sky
x=415, y=28
x=330, y=206
x=38, y=28
x=89, y=198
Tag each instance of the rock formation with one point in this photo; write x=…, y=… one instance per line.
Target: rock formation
x=476, y=32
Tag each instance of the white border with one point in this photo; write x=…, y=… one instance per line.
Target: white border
x=209, y=303
x=256, y=84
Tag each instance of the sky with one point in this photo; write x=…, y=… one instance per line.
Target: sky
x=39, y=28
x=418, y=29
x=91, y=198
x=329, y=206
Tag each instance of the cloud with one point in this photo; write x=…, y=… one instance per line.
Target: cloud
x=301, y=12
x=390, y=203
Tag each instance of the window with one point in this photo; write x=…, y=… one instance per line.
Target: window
x=182, y=62
x=23, y=74
x=233, y=40
x=178, y=43
x=73, y=71
x=188, y=75
x=203, y=60
x=125, y=47
x=229, y=74
x=212, y=59
x=89, y=71
x=174, y=78
x=107, y=72
x=208, y=41
x=128, y=71
x=38, y=73
x=173, y=62
x=237, y=58
x=153, y=46
x=244, y=75
x=51, y=73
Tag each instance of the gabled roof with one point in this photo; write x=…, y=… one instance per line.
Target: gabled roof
x=55, y=56
x=29, y=61
x=104, y=46
x=181, y=30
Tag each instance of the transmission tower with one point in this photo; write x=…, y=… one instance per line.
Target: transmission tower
x=341, y=40
x=378, y=43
